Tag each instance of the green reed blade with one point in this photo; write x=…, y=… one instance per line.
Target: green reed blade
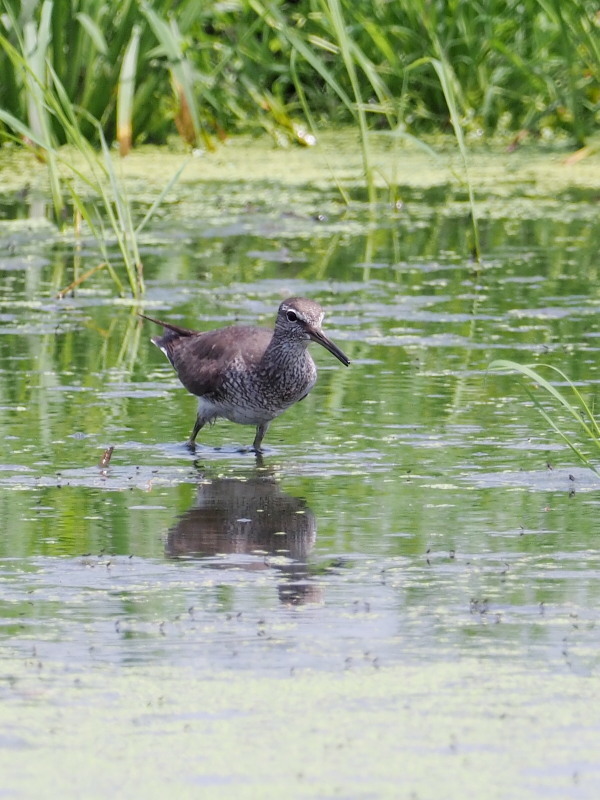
x=579, y=410
x=126, y=92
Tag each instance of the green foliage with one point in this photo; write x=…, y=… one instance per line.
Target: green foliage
x=85, y=72
x=577, y=408
x=217, y=67
x=79, y=169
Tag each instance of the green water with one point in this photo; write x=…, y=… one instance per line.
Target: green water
x=400, y=601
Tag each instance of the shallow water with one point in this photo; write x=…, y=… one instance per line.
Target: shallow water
x=400, y=599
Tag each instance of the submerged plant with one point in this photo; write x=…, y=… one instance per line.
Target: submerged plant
x=577, y=407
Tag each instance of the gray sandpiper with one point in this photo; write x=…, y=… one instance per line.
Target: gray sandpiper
x=244, y=373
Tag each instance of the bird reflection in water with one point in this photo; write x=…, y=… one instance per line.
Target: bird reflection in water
x=250, y=517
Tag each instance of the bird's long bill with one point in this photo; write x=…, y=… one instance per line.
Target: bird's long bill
x=319, y=336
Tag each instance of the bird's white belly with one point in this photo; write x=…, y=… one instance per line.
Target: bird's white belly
x=241, y=414
x=255, y=402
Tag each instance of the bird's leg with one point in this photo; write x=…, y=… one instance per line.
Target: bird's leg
x=260, y=433
x=198, y=425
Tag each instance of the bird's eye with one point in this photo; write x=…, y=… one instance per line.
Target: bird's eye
x=292, y=316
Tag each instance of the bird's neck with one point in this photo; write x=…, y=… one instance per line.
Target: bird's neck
x=284, y=354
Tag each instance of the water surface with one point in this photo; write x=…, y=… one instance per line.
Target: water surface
x=399, y=600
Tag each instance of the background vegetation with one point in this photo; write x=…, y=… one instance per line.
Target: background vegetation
x=147, y=69
x=87, y=73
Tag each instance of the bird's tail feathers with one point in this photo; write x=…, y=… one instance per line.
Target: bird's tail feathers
x=169, y=326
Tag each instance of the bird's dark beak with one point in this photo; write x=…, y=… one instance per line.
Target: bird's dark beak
x=318, y=336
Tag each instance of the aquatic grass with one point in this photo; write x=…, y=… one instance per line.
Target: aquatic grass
x=88, y=48
x=531, y=65
x=181, y=70
x=315, y=50
x=118, y=207
x=308, y=52
x=348, y=53
x=308, y=115
x=98, y=174
x=35, y=42
x=449, y=86
x=577, y=407
x=141, y=69
x=81, y=165
x=126, y=92
x=579, y=33
x=353, y=57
